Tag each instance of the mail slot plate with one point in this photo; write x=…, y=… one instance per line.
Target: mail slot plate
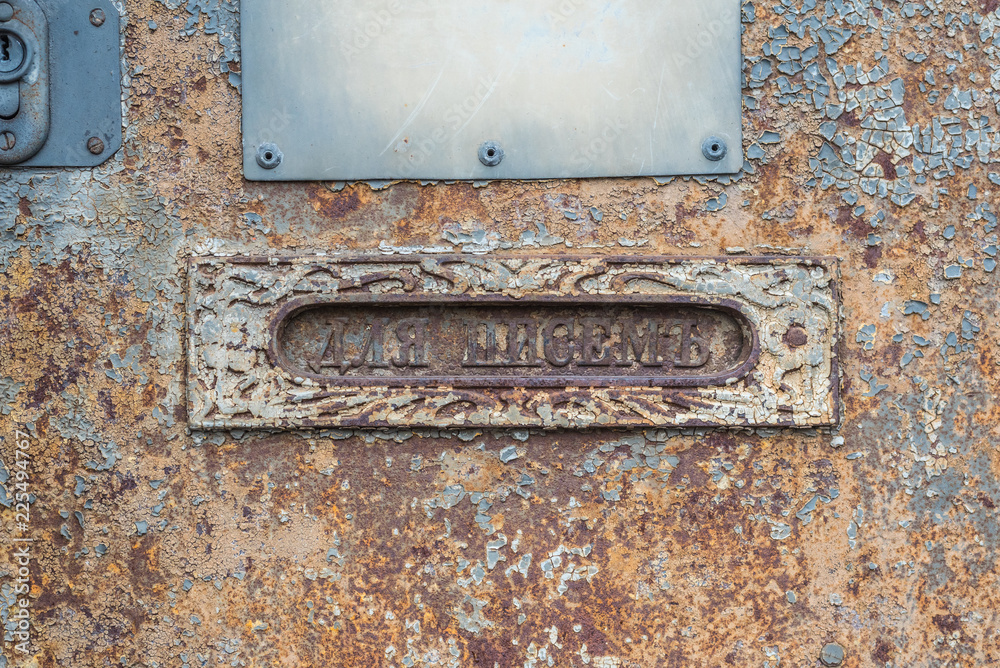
x=458, y=341
x=383, y=89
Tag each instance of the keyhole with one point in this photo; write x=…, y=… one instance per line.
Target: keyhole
x=12, y=53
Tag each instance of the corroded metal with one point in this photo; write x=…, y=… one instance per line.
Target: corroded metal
x=872, y=135
x=764, y=345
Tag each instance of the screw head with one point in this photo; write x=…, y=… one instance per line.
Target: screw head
x=714, y=148
x=832, y=655
x=6, y=11
x=268, y=156
x=7, y=140
x=97, y=18
x=95, y=145
x=491, y=154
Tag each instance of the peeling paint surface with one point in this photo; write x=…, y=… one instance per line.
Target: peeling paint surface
x=873, y=136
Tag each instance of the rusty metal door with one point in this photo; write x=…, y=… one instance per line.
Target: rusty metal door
x=141, y=528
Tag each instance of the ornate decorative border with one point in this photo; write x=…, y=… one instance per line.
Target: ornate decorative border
x=234, y=384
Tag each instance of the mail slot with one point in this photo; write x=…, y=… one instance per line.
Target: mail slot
x=511, y=343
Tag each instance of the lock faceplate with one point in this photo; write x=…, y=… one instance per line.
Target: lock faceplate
x=24, y=82
x=79, y=63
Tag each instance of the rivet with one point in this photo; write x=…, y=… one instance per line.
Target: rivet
x=95, y=145
x=832, y=655
x=714, y=148
x=6, y=11
x=7, y=140
x=490, y=154
x=268, y=156
x=796, y=336
x=97, y=17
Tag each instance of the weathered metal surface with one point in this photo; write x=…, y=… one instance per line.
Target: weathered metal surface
x=527, y=89
x=160, y=545
x=772, y=361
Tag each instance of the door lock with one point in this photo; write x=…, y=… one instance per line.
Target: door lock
x=14, y=60
x=60, y=83
x=24, y=80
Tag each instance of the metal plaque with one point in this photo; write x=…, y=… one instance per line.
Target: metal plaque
x=525, y=89
x=458, y=341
